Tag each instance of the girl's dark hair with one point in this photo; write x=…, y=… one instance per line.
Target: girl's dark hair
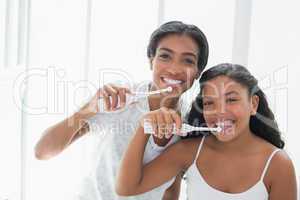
x=263, y=124
x=180, y=28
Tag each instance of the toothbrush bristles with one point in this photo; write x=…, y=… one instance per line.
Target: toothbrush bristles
x=169, y=89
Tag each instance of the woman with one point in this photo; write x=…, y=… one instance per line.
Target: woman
x=177, y=53
x=244, y=161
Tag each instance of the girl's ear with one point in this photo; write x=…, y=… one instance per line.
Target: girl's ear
x=255, y=102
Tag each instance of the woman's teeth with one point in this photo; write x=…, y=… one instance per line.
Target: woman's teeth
x=172, y=81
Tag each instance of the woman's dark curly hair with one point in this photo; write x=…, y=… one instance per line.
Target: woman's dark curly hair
x=263, y=124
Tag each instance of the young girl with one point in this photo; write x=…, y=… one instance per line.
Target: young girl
x=244, y=161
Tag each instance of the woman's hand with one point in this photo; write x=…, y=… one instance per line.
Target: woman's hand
x=114, y=97
x=162, y=121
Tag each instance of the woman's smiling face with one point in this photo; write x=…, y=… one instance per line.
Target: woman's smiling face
x=227, y=103
x=175, y=63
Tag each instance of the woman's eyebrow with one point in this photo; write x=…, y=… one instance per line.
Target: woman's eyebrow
x=165, y=49
x=184, y=53
x=190, y=54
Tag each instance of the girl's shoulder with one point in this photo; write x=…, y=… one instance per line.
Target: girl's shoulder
x=279, y=158
x=280, y=163
x=187, y=149
x=281, y=174
x=280, y=167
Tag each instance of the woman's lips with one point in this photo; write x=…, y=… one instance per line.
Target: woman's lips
x=172, y=82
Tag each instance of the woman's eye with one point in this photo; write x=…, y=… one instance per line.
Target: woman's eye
x=189, y=61
x=164, y=56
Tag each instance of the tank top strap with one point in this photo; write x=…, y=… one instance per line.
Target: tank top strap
x=268, y=163
x=199, y=148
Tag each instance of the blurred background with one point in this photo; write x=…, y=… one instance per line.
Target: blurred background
x=54, y=54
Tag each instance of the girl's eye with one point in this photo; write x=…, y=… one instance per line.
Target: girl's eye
x=207, y=103
x=230, y=100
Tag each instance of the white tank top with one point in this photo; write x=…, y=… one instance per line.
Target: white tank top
x=197, y=187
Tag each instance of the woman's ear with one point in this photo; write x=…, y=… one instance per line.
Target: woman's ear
x=255, y=102
x=151, y=63
x=198, y=74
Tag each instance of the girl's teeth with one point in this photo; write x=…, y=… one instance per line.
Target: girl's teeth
x=224, y=124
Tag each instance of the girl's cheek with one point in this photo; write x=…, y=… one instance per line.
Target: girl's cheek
x=208, y=119
x=239, y=112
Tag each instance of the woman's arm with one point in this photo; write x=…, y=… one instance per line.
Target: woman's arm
x=134, y=178
x=283, y=184
x=58, y=137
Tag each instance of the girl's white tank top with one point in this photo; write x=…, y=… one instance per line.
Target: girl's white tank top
x=199, y=189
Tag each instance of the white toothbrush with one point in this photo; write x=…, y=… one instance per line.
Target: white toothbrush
x=146, y=94
x=133, y=97
x=185, y=129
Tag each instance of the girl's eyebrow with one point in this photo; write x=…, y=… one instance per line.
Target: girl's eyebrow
x=231, y=92
x=184, y=53
x=216, y=96
x=207, y=97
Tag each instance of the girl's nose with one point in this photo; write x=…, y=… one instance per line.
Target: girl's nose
x=220, y=108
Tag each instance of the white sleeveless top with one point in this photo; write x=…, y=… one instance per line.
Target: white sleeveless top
x=197, y=187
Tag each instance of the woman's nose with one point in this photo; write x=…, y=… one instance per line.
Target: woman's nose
x=176, y=68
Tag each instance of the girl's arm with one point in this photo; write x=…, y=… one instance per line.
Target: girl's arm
x=173, y=192
x=283, y=184
x=135, y=178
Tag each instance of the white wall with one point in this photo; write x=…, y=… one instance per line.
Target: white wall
x=273, y=57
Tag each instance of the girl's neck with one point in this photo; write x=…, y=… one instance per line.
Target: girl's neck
x=241, y=144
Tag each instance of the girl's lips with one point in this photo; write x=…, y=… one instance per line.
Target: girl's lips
x=226, y=125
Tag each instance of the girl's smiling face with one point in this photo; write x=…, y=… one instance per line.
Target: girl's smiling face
x=227, y=103
x=175, y=63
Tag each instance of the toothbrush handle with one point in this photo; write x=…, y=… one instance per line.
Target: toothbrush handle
x=149, y=130
x=185, y=128
x=130, y=98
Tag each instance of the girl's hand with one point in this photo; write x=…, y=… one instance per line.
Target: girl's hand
x=162, y=121
x=112, y=96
